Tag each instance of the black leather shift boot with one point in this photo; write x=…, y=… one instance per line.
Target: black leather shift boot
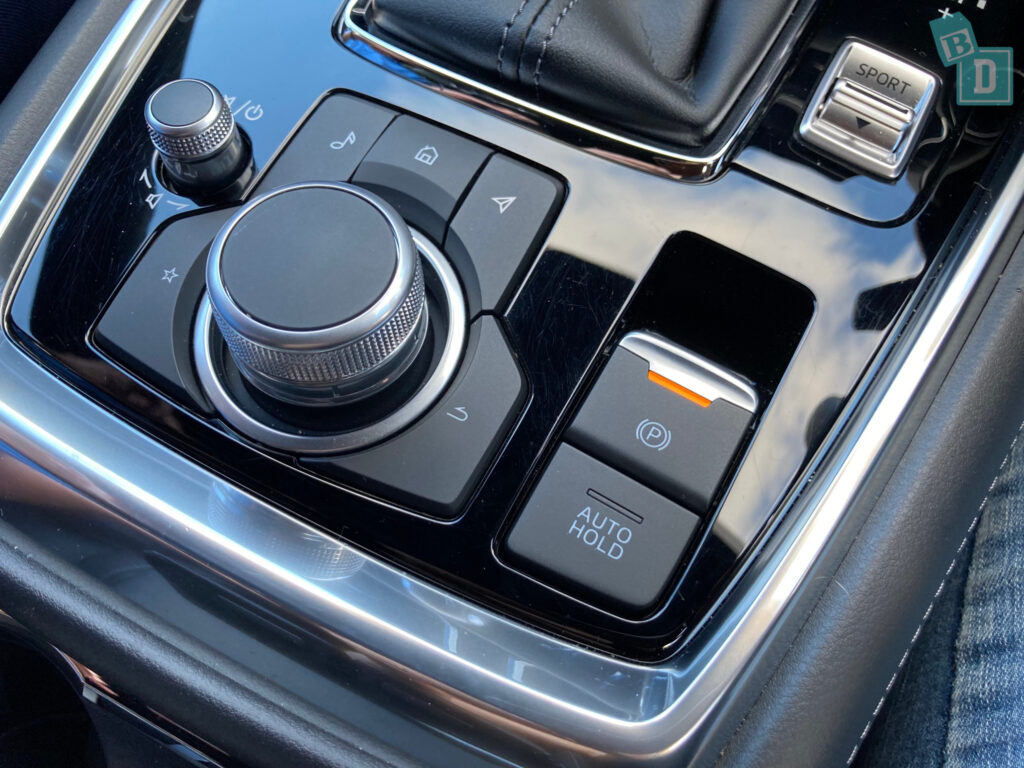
x=668, y=70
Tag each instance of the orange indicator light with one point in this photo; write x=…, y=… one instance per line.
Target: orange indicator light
x=671, y=386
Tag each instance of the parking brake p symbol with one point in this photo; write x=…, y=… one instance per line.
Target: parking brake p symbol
x=653, y=435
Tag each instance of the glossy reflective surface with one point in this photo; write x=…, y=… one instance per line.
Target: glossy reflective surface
x=676, y=162
x=574, y=305
x=470, y=675
x=776, y=154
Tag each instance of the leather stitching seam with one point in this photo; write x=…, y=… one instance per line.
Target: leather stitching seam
x=547, y=42
x=504, y=38
x=525, y=39
x=903, y=660
x=931, y=606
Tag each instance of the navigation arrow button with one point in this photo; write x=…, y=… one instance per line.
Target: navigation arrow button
x=503, y=203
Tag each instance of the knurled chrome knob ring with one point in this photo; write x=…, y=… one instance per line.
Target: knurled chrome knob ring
x=344, y=361
x=202, y=137
x=453, y=320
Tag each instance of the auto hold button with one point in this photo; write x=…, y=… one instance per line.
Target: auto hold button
x=600, y=533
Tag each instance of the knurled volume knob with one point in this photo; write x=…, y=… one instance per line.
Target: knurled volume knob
x=318, y=291
x=192, y=128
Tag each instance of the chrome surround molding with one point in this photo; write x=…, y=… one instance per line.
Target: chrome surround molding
x=503, y=675
x=857, y=152
x=203, y=352
x=650, y=157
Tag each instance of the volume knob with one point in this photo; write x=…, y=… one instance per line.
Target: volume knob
x=318, y=291
x=192, y=128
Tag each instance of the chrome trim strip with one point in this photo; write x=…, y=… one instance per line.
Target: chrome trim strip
x=419, y=404
x=470, y=662
x=654, y=158
x=31, y=200
x=690, y=370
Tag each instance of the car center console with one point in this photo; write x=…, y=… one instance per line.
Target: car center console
x=419, y=329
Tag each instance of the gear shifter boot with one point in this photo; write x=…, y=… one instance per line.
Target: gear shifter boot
x=667, y=70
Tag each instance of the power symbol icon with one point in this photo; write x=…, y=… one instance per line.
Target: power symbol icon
x=653, y=435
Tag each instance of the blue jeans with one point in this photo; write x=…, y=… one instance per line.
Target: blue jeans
x=959, y=702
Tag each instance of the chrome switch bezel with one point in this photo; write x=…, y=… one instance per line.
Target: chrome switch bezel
x=853, y=150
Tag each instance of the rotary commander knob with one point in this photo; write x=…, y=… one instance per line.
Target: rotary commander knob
x=318, y=291
x=192, y=128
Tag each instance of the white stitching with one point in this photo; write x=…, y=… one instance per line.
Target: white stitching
x=547, y=42
x=504, y=37
x=931, y=606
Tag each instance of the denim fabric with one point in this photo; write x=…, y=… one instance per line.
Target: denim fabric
x=986, y=723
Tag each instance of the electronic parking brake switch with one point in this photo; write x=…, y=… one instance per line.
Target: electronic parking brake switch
x=667, y=417
x=660, y=429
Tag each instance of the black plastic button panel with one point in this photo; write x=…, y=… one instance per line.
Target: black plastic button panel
x=666, y=417
x=600, y=535
x=491, y=212
x=330, y=144
x=434, y=465
x=422, y=170
x=499, y=228
x=147, y=326
x=500, y=210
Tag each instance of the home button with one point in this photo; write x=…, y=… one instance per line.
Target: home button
x=422, y=170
